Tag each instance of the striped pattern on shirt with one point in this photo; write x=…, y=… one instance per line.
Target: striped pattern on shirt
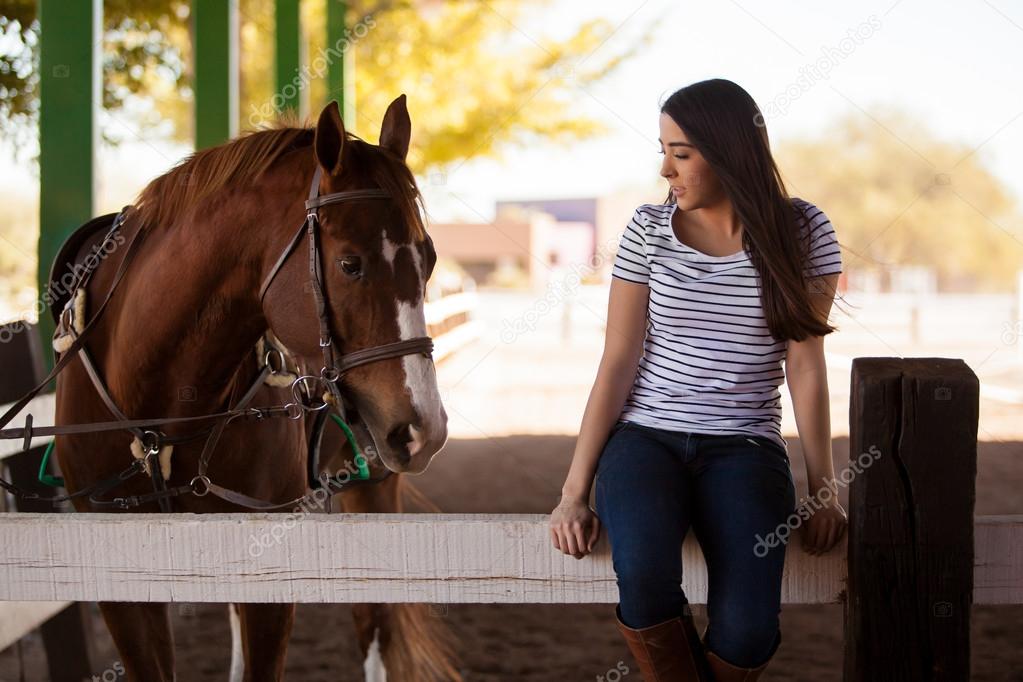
x=710, y=364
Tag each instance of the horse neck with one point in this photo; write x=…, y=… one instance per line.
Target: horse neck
x=191, y=312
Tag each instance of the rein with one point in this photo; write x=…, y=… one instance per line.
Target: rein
x=333, y=369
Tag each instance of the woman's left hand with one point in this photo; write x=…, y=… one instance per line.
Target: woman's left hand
x=825, y=528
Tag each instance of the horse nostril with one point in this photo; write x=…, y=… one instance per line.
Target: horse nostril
x=407, y=437
x=398, y=437
x=418, y=441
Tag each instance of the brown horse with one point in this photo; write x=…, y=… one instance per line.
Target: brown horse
x=177, y=338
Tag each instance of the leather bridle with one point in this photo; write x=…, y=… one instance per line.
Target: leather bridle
x=333, y=367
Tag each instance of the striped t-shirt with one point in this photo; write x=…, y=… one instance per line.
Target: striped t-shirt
x=710, y=364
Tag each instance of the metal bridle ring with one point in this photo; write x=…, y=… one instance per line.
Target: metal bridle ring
x=330, y=374
x=205, y=480
x=266, y=360
x=151, y=447
x=294, y=410
x=298, y=399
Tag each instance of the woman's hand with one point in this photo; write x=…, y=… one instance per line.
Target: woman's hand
x=575, y=528
x=825, y=528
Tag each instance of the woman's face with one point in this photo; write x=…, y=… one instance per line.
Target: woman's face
x=692, y=181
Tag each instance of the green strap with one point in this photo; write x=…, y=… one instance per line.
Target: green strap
x=360, y=461
x=45, y=478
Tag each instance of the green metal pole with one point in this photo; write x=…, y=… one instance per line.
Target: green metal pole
x=69, y=93
x=287, y=39
x=341, y=72
x=215, y=36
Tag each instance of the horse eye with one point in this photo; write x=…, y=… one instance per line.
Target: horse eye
x=350, y=265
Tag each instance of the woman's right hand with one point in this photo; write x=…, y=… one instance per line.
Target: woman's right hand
x=575, y=528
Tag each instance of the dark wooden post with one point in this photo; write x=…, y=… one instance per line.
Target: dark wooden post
x=913, y=448
x=66, y=636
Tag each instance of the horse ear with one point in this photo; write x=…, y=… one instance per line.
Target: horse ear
x=396, y=129
x=329, y=140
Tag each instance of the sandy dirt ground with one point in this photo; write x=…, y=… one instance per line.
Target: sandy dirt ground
x=514, y=400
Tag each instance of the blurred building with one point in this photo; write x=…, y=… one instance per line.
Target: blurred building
x=512, y=251
x=607, y=215
x=536, y=238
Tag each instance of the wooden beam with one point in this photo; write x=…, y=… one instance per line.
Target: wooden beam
x=287, y=51
x=215, y=55
x=341, y=69
x=913, y=425
x=69, y=95
x=458, y=558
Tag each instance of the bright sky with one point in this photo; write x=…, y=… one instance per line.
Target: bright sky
x=952, y=66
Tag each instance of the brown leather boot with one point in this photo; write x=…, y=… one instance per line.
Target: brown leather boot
x=667, y=652
x=726, y=672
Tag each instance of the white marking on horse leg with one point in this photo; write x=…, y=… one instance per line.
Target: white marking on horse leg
x=237, y=651
x=373, y=666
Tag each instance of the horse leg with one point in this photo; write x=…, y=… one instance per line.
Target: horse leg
x=265, y=629
x=144, y=639
x=373, y=630
x=408, y=642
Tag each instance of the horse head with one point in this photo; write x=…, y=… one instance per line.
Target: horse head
x=374, y=259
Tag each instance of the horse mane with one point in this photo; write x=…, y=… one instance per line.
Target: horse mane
x=248, y=157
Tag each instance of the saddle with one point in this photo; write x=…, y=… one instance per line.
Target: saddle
x=81, y=243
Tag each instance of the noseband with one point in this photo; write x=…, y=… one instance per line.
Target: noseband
x=334, y=365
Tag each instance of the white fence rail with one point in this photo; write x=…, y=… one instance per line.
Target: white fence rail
x=454, y=558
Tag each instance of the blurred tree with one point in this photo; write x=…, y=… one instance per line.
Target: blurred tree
x=471, y=88
x=897, y=194
x=469, y=93
x=145, y=57
x=19, y=64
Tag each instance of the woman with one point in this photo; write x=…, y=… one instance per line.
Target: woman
x=710, y=292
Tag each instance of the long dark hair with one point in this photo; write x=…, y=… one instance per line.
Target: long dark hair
x=726, y=126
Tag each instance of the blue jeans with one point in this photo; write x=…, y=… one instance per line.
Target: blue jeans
x=653, y=484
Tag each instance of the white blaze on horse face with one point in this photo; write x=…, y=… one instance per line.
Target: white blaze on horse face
x=373, y=666
x=420, y=374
